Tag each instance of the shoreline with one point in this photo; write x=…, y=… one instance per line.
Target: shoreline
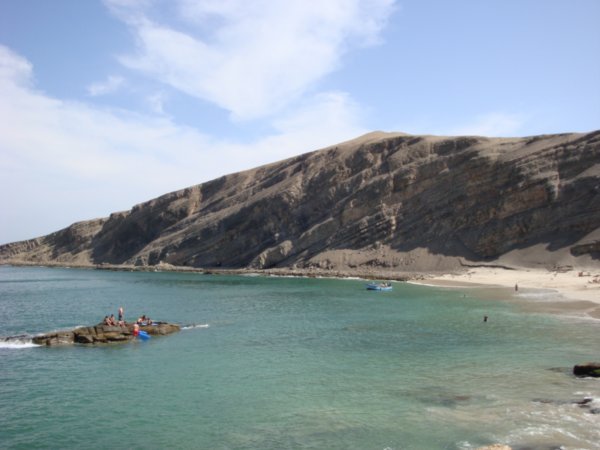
x=316, y=272
x=564, y=292
x=561, y=291
x=571, y=284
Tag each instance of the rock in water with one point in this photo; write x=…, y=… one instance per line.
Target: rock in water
x=102, y=334
x=57, y=338
x=590, y=369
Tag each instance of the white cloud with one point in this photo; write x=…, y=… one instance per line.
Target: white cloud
x=112, y=84
x=65, y=161
x=495, y=124
x=251, y=58
x=14, y=68
x=322, y=120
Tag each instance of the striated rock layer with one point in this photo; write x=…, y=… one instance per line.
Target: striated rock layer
x=386, y=200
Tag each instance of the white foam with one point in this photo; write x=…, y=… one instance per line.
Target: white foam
x=17, y=344
x=568, y=423
x=189, y=327
x=546, y=294
x=594, y=403
x=446, y=286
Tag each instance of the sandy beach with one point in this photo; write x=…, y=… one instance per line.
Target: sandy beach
x=567, y=292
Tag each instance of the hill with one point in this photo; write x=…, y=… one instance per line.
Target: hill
x=385, y=201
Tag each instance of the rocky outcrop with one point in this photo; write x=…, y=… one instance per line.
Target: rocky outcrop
x=387, y=201
x=70, y=245
x=590, y=369
x=101, y=334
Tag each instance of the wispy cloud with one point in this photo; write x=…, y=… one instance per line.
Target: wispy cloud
x=112, y=84
x=14, y=68
x=250, y=58
x=254, y=59
x=80, y=161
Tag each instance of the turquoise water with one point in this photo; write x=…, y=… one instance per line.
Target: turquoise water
x=289, y=363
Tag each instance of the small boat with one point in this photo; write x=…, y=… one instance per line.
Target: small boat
x=386, y=286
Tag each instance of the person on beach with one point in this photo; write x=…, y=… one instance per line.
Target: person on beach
x=136, y=329
x=121, y=311
x=112, y=321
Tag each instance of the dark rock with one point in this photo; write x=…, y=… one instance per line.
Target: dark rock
x=590, y=369
x=586, y=404
x=585, y=401
x=56, y=338
x=592, y=248
x=84, y=339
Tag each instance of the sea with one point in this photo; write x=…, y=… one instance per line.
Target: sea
x=291, y=363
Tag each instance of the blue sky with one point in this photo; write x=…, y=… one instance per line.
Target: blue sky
x=106, y=104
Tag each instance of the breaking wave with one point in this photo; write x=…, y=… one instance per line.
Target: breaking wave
x=17, y=342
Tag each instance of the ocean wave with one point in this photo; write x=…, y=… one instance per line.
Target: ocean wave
x=569, y=424
x=190, y=327
x=17, y=342
x=542, y=295
x=441, y=284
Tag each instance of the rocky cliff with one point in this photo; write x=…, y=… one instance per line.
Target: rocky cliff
x=385, y=200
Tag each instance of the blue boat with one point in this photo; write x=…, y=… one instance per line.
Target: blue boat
x=385, y=286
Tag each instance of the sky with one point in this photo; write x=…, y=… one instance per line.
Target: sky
x=105, y=104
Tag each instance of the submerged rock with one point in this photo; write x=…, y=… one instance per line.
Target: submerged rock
x=102, y=334
x=590, y=369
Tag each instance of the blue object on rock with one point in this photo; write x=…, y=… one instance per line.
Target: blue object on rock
x=143, y=335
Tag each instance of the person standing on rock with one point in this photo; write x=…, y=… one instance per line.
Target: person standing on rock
x=120, y=313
